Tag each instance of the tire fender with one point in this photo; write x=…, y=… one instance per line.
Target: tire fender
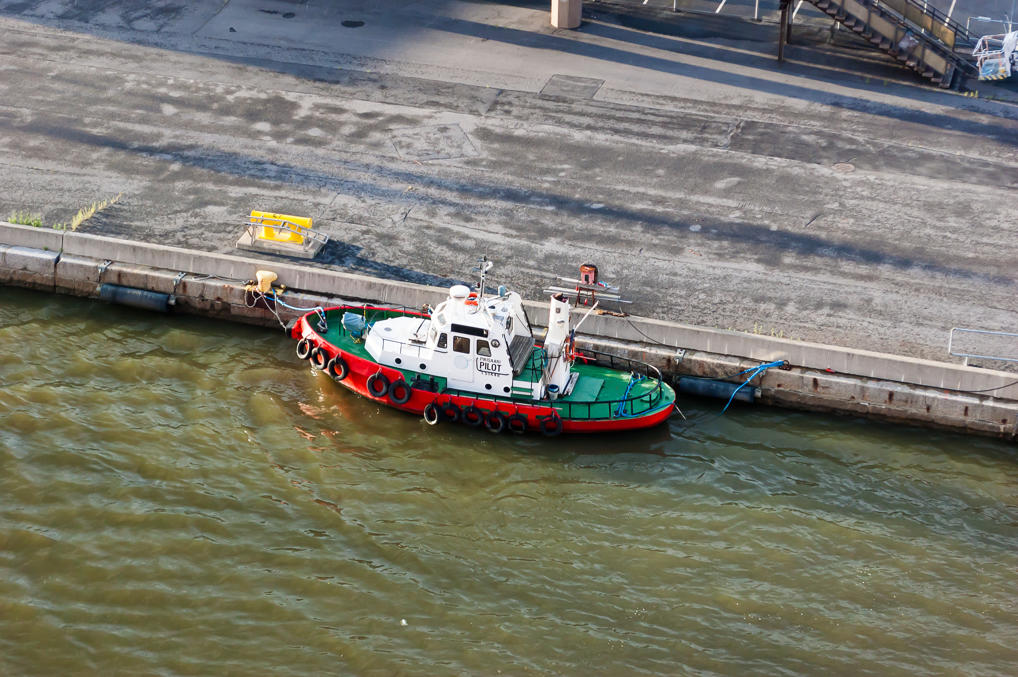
x=517, y=423
x=472, y=416
x=319, y=359
x=400, y=392
x=378, y=385
x=432, y=414
x=495, y=422
x=338, y=368
x=451, y=411
x=551, y=425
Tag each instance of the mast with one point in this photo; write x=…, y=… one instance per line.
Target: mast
x=482, y=267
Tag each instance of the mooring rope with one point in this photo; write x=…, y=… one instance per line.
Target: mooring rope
x=756, y=372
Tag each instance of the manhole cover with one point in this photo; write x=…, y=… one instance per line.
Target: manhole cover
x=352, y=23
x=844, y=167
x=438, y=142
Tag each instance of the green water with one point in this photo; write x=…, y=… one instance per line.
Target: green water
x=181, y=496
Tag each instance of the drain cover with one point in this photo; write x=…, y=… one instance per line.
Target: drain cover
x=844, y=167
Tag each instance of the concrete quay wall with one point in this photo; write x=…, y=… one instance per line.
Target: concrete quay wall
x=820, y=377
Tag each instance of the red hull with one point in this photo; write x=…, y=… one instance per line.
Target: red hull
x=536, y=415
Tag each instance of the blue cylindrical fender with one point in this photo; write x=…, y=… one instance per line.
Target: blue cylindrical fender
x=708, y=387
x=136, y=298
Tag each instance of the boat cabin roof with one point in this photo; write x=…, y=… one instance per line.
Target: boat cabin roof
x=465, y=312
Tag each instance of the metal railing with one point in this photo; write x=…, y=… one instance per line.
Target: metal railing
x=1006, y=24
x=620, y=408
x=984, y=332
x=308, y=238
x=598, y=409
x=929, y=19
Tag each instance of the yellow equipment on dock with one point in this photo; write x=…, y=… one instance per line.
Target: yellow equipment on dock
x=281, y=227
x=282, y=234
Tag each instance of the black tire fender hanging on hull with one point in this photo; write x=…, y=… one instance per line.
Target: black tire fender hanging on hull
x=338, y=368
x=432, y=414
x=400, y=392
x=378, y=385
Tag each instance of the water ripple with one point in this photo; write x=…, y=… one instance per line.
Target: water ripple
x=170, y=508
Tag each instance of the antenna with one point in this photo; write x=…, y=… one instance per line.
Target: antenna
x=482, y=267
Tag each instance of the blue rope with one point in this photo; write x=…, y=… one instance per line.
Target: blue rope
x=275, y=297
x=756, y=372
x=317, y=309
x=633, y=380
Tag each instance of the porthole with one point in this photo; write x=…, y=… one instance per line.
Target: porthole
x=487, y=386
x=399, y=360
x=423, y=366
x=505, y=389
x=495, y=343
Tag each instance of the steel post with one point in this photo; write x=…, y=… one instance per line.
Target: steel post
x=781, y=30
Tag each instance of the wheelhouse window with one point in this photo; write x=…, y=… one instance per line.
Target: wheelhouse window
x=443, y=341
x=482, y=348
x=461, y=344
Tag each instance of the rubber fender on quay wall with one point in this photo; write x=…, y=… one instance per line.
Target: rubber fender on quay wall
x=708, y=387
x=136, y=298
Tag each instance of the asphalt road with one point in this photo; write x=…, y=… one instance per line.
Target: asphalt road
x=718, y=188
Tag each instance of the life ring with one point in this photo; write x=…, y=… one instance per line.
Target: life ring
x=472, y=299
x=400, y=392
x=337, y=368
x=303, y=348
x=378, y=385
x=451, y=411
x=472, y=416
x=551, y=425
x=432, y=416
x=495, y=422
x=319, y=358
x=517, y=423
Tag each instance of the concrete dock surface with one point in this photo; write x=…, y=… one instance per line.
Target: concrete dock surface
x=834, y=198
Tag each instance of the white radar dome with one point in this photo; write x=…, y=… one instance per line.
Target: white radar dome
x=459, y=291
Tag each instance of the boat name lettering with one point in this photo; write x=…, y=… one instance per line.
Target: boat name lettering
x=487, y=366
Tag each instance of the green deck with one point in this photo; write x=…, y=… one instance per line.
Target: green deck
x=598, y=392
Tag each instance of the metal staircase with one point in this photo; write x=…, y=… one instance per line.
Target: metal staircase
x=920, y=36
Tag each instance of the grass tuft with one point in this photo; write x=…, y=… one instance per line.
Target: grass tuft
x=85, y=213
x=26, y=219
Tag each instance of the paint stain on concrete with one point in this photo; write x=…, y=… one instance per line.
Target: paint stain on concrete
x=433, y=142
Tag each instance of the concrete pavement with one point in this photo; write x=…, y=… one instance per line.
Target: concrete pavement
x=718, y=188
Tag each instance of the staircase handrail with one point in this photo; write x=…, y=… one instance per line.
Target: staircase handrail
x=960, y=32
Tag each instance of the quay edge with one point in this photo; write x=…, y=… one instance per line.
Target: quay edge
x=819, y=378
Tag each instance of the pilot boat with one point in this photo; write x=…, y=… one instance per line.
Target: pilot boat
x=474, y=359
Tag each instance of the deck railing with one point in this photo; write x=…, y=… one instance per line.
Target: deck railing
x=626, y=407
